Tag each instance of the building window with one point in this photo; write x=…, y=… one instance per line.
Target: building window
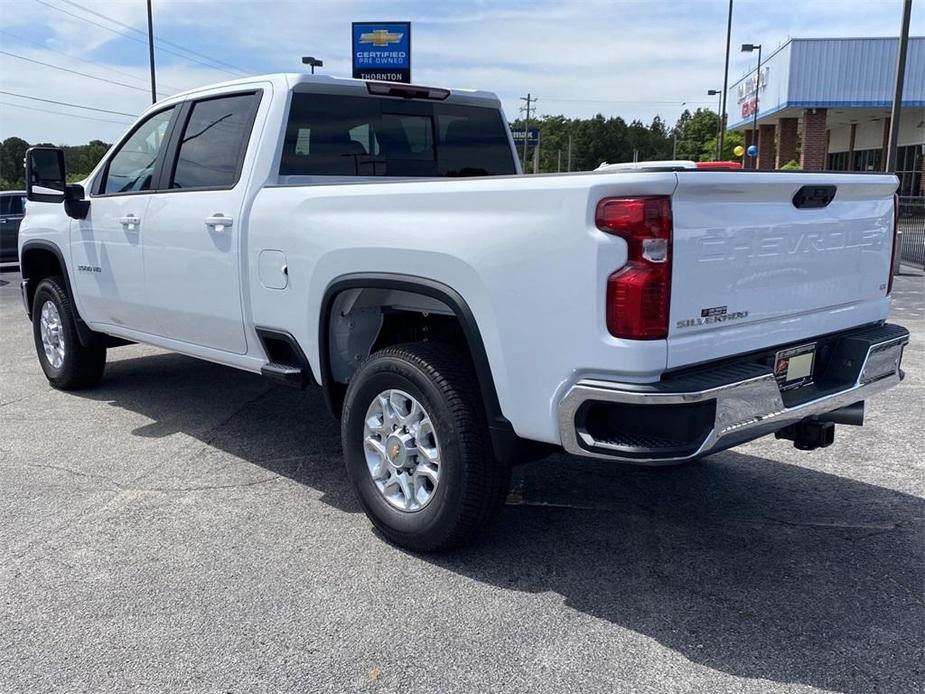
x=867, y=160
x=838, y=161
x=909, y=169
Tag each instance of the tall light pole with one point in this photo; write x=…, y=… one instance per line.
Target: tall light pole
x=151, y=52
x=722, y=114
x=312, y=61
x=748, y=48
x=898, y=88
x=719, y=129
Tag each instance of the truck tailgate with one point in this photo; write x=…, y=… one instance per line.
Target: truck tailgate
x=752, y=269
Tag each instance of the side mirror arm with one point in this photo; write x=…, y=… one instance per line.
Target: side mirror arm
x=74, y=204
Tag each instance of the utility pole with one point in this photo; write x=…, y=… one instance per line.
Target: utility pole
x=719, y=134
x=898, y=88
x=529, y=100
x=559, y=161
x=569, y=164
x=151, y=52
x=722, y=115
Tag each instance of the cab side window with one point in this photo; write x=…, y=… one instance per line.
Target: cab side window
x=131, y=168
x=214, y=141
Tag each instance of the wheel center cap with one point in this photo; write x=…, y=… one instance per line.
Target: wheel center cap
x=396, y=448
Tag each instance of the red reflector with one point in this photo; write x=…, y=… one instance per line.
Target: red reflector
x=639, y=294
x=637, y=302
x=719, y=165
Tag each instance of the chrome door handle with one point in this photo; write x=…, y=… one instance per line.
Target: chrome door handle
x=219, y=222
x=131, y=222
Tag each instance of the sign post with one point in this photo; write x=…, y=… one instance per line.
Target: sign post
x=382, y=51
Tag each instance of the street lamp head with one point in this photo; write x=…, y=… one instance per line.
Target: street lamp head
x=749, y=47
x=311, y=60
x=712, y=92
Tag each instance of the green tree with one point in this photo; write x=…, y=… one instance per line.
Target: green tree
x=594, y=141
x=694, y=131
x=12, y=154
x=731, y=140
x=79, y=160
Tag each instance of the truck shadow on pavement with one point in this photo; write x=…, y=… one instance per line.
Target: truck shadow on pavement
x=746, y=565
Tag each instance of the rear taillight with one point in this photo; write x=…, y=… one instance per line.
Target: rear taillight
x=893, y=239
x=639, y=293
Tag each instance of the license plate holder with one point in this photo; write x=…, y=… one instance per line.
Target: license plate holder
x=794, y=367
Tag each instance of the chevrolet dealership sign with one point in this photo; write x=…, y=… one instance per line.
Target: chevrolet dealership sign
x=382, y=51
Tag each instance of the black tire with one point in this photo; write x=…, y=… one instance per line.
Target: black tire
x=472, y=485
x=82, y=365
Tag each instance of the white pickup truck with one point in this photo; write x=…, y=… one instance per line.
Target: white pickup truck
x=379, y=240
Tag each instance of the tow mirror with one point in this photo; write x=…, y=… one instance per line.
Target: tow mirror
x=46, y=180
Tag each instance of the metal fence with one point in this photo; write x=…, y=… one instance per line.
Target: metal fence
x=912, y=231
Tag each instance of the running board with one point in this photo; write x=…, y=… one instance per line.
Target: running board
x=291, y=376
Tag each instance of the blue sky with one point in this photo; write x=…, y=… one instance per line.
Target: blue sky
x=632, y=58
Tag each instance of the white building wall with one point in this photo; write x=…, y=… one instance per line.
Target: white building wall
x=912, y=127
x=869, y=135
x=839, y=139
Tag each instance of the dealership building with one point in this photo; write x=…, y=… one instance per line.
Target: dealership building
x=825, y=103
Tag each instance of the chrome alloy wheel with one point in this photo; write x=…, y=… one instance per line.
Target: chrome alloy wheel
x=402, y=451
x=52, y=334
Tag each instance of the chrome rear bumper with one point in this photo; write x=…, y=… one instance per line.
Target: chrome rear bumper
x=748, y=402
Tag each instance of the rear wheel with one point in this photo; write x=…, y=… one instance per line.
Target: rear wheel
x=67, y=363
x=417, y=448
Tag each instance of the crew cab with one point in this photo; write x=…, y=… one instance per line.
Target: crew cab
x=379, y=240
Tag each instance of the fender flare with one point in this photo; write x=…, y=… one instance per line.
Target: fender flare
x=502, y=433
x=84, y=334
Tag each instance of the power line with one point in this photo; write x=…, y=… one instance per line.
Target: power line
x=161, y=41
x=73, y=72
x=62, y=113
x=132, y=38
x=65, y=103
x=84, y=60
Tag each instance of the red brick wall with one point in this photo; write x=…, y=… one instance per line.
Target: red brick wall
x=767, y=151
x=814, y=140
x=749, y=162
x=787, y=140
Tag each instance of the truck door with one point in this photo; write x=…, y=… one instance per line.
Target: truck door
x=194, y=225
x=106, y=247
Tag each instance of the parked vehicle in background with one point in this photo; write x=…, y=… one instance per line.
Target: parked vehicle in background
x=12, y=209
x=376, y=239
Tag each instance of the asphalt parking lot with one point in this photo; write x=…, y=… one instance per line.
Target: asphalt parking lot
x=188, y=527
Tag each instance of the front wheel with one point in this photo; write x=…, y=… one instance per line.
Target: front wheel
x=67, y=363
x=417, y=448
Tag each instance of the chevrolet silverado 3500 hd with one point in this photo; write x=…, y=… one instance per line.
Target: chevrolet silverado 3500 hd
x=379, y=240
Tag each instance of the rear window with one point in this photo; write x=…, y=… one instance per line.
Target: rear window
x=329, y=135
